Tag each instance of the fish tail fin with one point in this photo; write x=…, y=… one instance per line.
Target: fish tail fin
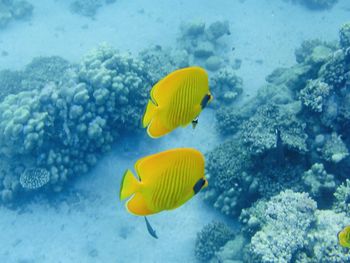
x=149, y=113
x=129, y=186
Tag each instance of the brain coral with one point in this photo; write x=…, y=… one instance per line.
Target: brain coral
x=34, y=178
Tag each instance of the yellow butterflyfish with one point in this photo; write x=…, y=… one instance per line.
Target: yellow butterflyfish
x=344, y=237
x=167, y=180
x=176, y=100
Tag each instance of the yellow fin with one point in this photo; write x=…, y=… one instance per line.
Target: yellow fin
x=149, y=113
x=157, y=129
x=129, y=185
x=137, y=206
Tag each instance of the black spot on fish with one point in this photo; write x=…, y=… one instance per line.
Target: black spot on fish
x=205, y=100
x=198, y=186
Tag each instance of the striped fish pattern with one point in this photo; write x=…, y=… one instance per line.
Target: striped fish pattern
x=167, y=181
x=174, y=183
x=176, y=101
x=184, y=107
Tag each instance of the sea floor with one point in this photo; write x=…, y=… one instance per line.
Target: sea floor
x=89, y=224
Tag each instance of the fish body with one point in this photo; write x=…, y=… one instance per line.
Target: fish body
x=344, y=237
x=167, y=180
x=176, y=100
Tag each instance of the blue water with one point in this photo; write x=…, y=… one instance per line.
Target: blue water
x=85, y=221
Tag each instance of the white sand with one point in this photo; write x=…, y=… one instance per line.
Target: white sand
x=96, y=223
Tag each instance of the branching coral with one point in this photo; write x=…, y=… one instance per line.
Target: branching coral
x=342, y=198
x=314, y=95
x=210, y=239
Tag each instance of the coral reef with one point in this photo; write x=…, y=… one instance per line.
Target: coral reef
x=288, y=217
x=88, y=8
x=299, y=120
x=14, y=10
x=342, y=198
x=170, y=59
x=314, y=51
x=34, y=178
x=322, y=241
x=319, y=182
x=229, y=178
x=38, y=73
x=334, y=149
x=226, y=86
x=198, y=45
x=344, y=35
x=231, y=252
x=314, y=95
x=210, y=239
x=203, y=43
x=237, y=182
x=289, y=228
x=259, y=132
x=64, y=127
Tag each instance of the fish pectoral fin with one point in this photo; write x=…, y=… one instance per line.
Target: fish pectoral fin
x=150, y=111
x=157, y=129
x=137, y=205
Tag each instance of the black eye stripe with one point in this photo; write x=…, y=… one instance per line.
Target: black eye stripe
x=198, y=186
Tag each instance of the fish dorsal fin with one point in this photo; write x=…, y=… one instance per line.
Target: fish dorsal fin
x=151, y=167
x=165, y=88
